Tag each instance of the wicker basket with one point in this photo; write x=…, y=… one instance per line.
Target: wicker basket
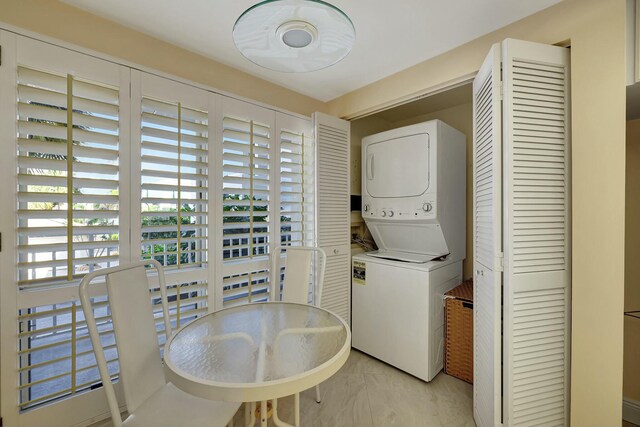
x=458, y=354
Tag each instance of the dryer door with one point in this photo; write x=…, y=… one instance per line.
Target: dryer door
x=397, y=167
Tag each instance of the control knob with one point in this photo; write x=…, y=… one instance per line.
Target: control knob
x=390, y=214
x=427, y=207
x=366, y=208
x=384, y=213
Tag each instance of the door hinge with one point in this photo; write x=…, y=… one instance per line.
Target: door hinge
x=500, y=261
x=501, y=90
x=0, y=242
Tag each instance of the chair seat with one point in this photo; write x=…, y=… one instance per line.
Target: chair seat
x=172, y=407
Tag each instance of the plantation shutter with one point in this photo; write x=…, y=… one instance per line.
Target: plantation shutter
x=66, y=200
x=487, y=235
x=172, y=168
x=291, y=188
x=537, y=233
x=68, y=191
x=297, y=181
x=296, y=191
x=107, y=164
x=174, y=183
x=248, y=200
x=246, y=145
x=333, y=212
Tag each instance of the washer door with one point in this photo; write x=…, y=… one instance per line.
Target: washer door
x=397, y=167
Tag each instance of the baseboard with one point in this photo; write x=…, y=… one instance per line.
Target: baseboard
x=631, y=411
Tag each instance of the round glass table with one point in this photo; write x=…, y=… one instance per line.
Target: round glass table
x=257, y=352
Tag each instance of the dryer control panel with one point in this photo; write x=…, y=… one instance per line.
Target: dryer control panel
x=425, y=208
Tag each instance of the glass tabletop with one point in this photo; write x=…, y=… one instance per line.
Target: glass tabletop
x=257, y=343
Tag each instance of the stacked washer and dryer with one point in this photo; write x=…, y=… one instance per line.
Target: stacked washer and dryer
x=413, y=202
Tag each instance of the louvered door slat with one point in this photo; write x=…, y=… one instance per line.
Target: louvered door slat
x=537, y=227
x=333, y=222
x=487, y=204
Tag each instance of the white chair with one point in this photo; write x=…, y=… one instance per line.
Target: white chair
x=151, y=400
x=298, y=269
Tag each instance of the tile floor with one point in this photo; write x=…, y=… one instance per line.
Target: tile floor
x=370, y=393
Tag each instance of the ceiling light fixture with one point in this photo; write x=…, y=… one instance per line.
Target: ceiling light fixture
x=294, y=36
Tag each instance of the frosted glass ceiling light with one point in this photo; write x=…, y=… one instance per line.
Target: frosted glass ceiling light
x=294, y=36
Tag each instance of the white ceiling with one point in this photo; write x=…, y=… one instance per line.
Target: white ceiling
x=390, y=35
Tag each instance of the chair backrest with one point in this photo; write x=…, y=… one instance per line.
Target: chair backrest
x=298, y=269
x=141, y=371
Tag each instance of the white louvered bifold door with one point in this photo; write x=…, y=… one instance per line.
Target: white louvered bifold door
x=537, y=234
x=333, y=211
x=487, y=234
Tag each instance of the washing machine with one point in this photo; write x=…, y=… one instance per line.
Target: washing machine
x=398, y=311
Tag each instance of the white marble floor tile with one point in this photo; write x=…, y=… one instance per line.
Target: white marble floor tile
x=344, y=403
x=402, y=400
x=360, y=363
x=370, y=393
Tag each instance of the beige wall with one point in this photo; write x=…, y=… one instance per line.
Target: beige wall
x=55, y=19
x=598, y=120
x=596, y=30
x=557, y=24
x=632, y=265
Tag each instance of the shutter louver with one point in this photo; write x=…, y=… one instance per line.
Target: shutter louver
x=51, y=248
x=245, y=288
x=56, y=358
x=246, y=188
x=487, y=232
x=267, y=196
x=172, y=125
x=187, y=301
x=292, y=189
x=309, y=192
x=174, y=183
